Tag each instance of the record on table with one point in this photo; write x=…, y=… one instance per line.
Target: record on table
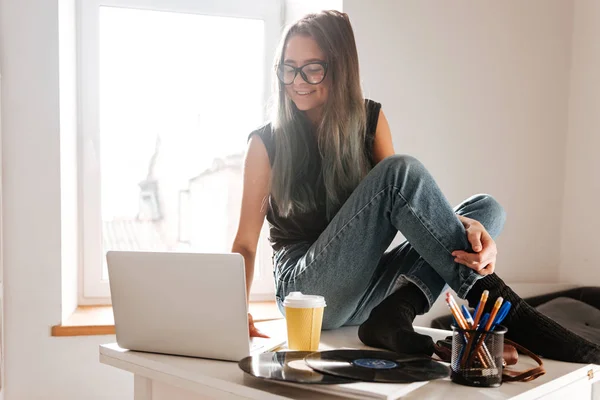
x=288, y=366
x=377, y=366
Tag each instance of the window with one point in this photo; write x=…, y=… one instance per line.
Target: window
x=169, y=91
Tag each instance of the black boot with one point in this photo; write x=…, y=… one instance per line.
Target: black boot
x=389, y=325
x=533, y=330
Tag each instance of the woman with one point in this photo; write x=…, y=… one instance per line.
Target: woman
x=325, y=174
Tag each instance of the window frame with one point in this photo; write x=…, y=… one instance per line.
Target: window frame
x=93, y=289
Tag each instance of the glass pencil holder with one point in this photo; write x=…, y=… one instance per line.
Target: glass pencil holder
x=477, y=356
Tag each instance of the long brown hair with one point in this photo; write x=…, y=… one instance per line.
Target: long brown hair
x=341, y=132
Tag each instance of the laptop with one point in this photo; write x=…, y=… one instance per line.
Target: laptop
x=188, y=304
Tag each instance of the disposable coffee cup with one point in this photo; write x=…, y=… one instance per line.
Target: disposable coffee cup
x=304, y=317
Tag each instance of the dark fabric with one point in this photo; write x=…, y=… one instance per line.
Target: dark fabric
x=307, y=227
x=389, y=325
x=532, y=329
x=588, y=294
x=575, y=315
x=444, y=322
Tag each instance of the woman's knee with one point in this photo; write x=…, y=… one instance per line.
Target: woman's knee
x=402, y=168
x=400, y=161
x=493, y=214
x=495, y=209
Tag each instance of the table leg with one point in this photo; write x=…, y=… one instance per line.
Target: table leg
x=142, y=388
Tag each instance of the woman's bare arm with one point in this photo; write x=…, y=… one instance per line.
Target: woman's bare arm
x=256, y=187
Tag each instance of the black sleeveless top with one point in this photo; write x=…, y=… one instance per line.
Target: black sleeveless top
x=307, y=227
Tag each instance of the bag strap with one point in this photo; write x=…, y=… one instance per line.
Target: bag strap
x=526, y=375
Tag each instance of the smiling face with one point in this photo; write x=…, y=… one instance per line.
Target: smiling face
x=299, y=51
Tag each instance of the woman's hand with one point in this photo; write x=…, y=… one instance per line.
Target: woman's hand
x=483, y=260
x=254, y=332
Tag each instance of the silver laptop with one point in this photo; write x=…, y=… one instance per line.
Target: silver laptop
x=189, y=304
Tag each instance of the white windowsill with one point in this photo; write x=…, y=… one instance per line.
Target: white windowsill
x=99, y=320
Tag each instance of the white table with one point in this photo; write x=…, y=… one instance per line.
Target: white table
x=161, y=377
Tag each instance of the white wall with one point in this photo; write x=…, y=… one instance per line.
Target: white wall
x=39, y=366
x=580, y=261
x=478, y=92
x=68, y=149
x=1, y=267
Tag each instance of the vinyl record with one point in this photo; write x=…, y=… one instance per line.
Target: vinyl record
x=376, y=366
x=288, y=366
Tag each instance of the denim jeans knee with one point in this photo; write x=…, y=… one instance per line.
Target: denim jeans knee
x=495, y=210
x=402, y=162
x=486, y=209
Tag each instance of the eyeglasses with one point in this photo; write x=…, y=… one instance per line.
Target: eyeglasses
x=312, y=73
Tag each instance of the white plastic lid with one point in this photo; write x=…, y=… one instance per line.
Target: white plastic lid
x=299, y=300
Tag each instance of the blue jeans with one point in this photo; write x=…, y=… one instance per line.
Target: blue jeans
x=348, y=263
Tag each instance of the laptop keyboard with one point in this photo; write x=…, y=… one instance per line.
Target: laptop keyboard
x=257, y=343
x=256, y=346
x=260, y=345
